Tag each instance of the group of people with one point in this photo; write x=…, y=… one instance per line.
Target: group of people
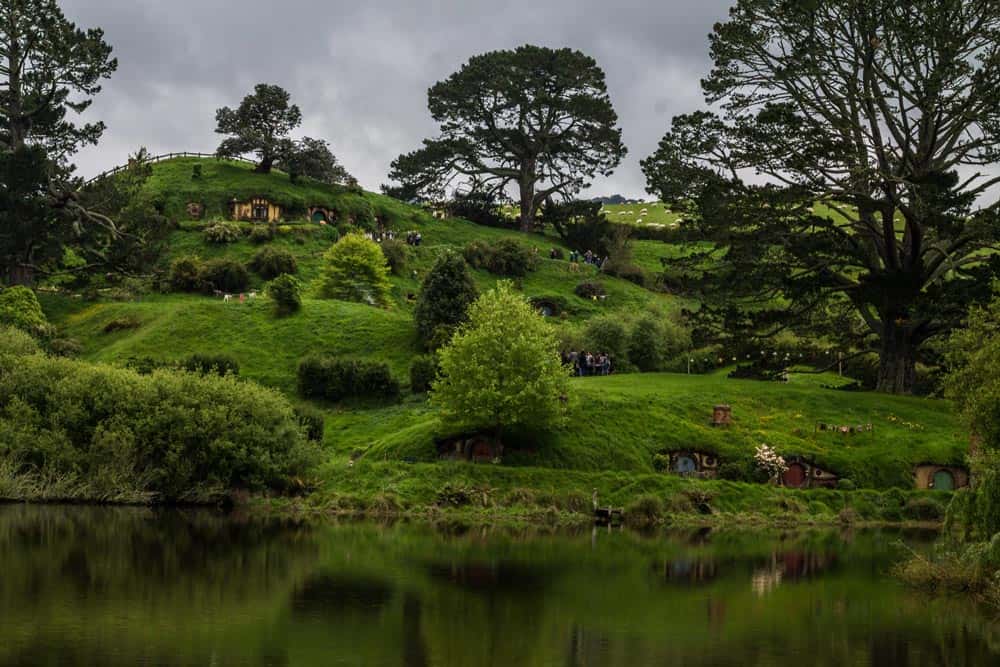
x=576, y=258
x=414, y=238
x=586, y=363
x=381, y=235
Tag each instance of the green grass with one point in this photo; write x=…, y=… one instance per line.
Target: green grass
x=616, y=424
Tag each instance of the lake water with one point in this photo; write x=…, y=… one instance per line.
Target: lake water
x=96, y=586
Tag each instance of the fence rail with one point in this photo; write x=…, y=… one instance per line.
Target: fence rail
x=161, y=158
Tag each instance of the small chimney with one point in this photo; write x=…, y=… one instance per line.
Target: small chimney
x=722, y=415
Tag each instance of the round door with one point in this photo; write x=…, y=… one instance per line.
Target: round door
x=944, y=480
x=795, y=476
x=319, y=217
x=685, y=465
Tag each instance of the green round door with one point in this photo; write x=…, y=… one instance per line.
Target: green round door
x=319, y=216
x=944, y=480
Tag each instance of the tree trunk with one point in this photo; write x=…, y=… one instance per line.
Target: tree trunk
x=897, y=360
x=21, y=275
x=265, y=165
x=527, y=187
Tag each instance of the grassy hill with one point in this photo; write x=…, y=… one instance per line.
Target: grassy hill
x=617, y=424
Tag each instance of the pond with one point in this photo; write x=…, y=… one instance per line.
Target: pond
x=116, y=586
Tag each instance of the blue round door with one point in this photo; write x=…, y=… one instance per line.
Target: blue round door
x=685, y=465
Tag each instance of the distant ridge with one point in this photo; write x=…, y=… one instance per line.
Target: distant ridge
x=617, y=199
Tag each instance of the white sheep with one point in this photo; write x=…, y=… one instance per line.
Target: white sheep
x=227, y=298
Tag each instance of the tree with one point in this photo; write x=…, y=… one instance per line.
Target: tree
x=866, y=125
x=536, y=118
x=48, y=67
x=444, y=300
x=502, y=368
x=355, y=270
x=260, y=125
x=974, y=385
x=312, y=158
x=286, y=292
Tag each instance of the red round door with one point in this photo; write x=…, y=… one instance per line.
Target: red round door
x=795, y=476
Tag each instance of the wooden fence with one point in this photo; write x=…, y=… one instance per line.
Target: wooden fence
x=161, y=158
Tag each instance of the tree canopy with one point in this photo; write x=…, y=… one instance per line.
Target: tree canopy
x=311, y=158
x=502, y=368
x=48, y=68
x=355, y=269
x=840, y=171
x=533, y=118
x=445, y=297
x=260, y=125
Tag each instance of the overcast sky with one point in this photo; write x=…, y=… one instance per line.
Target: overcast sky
x=360, y=70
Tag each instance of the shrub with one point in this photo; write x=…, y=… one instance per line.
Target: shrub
x=590, y=290
x=629, y=272
x=225, y=275
x=477, y=254
x=511, y=258
x=355, y=270
x=845, y=484
x=286, y=292
x=312, y=421
x=395, y=252
x=923, y=509
x=65, y=347
x=196, y=172
x=261, y=234
x=185, y=274
x=644, y=511
x=607, y=334
x=168, y=436
x=16, y=342
x=209, y=364
x=123, y=323
x=645, y=346
x=223, y=232
x=337, y=379
x=270, y=263
x=445, y=297
x=423, y=371
x=733, y=472
x=19, y=308
x=481, y=208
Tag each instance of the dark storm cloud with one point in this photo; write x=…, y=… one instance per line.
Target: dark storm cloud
x=360, y=71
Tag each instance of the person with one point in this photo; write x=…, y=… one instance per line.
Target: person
x=605, y=364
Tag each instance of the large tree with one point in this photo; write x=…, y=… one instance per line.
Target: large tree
x=843, y=168
x=534, y=118
x=311, y=158
x=260, y=125
x=48, y=68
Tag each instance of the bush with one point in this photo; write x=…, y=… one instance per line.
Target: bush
x=477, y=254
x=166, y=436
x=261, y=234
x=845, y=484
x=644, y=511
x=185, y=274
x=355, y=270
x=210, y=364
x=16, y=342
x=590, y=290
x=65, y=347
x=505, y=257
x=337, y=379
x=223, y=232
x=286, y=292
x=423, y=372
x=224, y=275
x=479, y=207
x=733, y=472
x=607, y=334
x=396, y=253
x=445, y=297
x=511, y=258
x=923, y=509
x=312, y=421
x=270, y=263
x=19, y=308
x=645, y=347
x=629, y=272
x=123, y=323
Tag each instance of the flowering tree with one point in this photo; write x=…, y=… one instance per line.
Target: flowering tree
x=769, y=461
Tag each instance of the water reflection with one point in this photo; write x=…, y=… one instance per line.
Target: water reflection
x=85, y=586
